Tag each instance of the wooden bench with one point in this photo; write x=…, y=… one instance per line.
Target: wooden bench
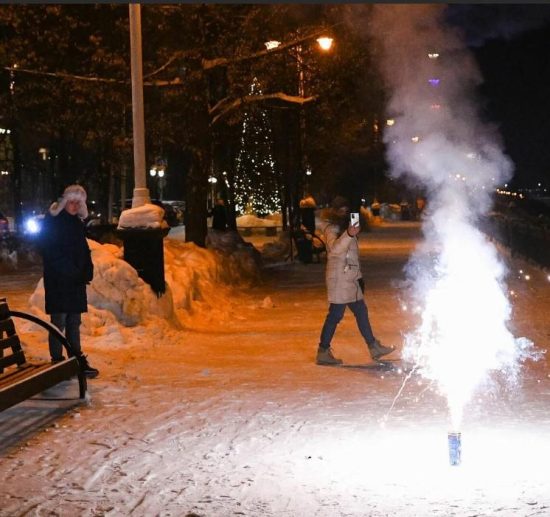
x=21, y=379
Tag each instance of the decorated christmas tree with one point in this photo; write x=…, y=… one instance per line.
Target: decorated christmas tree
x=255, y=186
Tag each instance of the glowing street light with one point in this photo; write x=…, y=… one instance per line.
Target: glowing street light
x=213, y=181
x=325, y=42
x=270, y=45
x=158, y=171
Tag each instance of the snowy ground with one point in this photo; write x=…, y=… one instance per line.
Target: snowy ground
x=232, y=417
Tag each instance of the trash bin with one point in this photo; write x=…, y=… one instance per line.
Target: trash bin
x=144, y=251
x=101, y=233
x=405, y=212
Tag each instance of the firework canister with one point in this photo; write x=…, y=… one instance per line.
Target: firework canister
x=454, y=448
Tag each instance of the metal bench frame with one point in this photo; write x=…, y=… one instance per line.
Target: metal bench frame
x=21, y=379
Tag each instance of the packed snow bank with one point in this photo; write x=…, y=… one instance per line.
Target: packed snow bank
x=248, y=221
x=145, y=216
x=198, y=282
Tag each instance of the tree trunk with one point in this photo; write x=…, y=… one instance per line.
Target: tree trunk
x=16, y=178
x=196, y=198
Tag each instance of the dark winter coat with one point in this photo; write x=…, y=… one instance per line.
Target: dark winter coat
x=307, y=213
x=67, y=263
x=219, y=218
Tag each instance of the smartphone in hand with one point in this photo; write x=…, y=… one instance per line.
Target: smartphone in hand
x=354, y=219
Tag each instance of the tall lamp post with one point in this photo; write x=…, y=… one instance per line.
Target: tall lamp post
x=143, y=246
x=325, y=43
x=141, y=192
x=212, y=180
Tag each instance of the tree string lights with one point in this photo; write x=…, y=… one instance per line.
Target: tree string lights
x=255, y=184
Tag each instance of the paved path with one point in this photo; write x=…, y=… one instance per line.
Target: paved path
x=236, y=419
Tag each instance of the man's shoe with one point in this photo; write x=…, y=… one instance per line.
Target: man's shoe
x=57, y=360
x=377, y=350
x=324, y=356
x=86, y=369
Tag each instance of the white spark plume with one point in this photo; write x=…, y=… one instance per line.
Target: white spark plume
x=458, y=278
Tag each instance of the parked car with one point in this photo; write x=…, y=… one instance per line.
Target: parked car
x=178, y=207
x=4, y=225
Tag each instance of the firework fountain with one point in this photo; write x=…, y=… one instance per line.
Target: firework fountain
x=436, y=140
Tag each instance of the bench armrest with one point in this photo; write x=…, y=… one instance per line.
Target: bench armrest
x=48, y=326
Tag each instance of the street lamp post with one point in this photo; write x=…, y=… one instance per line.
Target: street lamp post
x=141, y=192
x=158, y=171
x=212, y=180
x=325, y=44
x=143, y=246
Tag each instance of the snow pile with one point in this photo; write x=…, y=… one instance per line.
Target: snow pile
x=249, y=220
x=202, y=280
x=278, y=249
x=277, y=217
x=8, y=258
x=244, y=260
x=145, y=216
x=199, y=284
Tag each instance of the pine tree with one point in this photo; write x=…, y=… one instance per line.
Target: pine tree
x=255, y=185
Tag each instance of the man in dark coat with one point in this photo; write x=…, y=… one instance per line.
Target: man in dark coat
x=219, y=216
x=68, y=268
x=307, y=212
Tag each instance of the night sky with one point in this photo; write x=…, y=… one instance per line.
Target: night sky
x=512, y=46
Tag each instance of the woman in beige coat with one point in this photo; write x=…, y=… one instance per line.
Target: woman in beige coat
x=344, y=281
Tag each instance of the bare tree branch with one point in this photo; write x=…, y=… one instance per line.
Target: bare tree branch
x=177, y=55
x=64, y=75
x=225, y=106
x=61, y=75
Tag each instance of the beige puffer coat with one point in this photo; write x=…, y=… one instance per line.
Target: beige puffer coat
x=343, y=268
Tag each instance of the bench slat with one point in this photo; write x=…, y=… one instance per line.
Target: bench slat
x=14, y=374
x=10, y=342
x=37, y=380
x=15, y=358
x=7, y=326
